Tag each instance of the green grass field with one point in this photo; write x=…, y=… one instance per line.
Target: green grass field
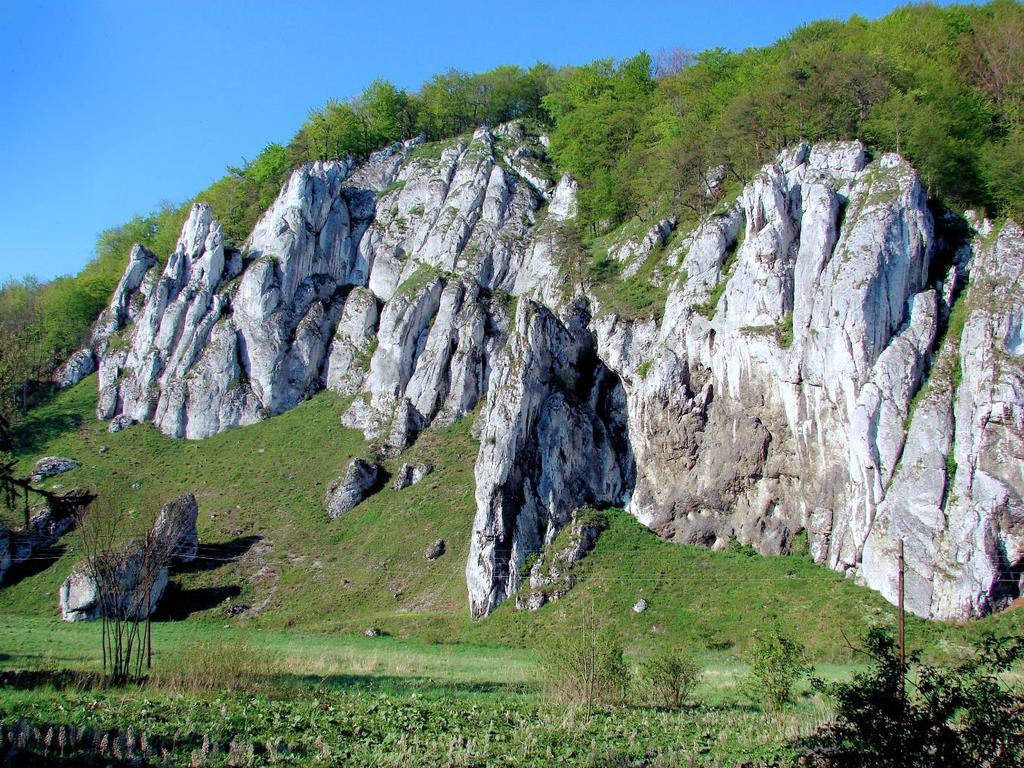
x=377, y=701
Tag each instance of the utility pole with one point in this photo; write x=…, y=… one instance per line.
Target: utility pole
x=903, y=656
x=901, y=626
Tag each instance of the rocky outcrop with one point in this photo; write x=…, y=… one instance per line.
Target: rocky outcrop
x=955, y=497
x=125, y=304
x=46, y=525
x=551, y=575
x=634, y=252
x=50, y=466
x=77, y=367
x=788, y=383
x=129, y=581
x=410, y=474
x=554, y=438
x=344, y=493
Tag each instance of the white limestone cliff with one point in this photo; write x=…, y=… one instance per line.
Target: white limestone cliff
x=797, y=379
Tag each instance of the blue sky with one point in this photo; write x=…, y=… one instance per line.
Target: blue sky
x=112, y=107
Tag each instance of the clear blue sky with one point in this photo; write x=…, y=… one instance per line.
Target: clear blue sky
x=112, y=107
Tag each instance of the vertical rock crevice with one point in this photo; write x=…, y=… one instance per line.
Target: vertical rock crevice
x=554, y=439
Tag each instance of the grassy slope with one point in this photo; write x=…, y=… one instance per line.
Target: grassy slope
x=266, y=538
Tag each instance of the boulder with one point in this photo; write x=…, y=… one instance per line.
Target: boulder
x=50, y=466
x=640, y=606
x=410, y=474
x=139, y=571
x=436, y=550
x=176, y=526
x=120, y=422
x=46, y=526
x=140, y=585
x=345, y=492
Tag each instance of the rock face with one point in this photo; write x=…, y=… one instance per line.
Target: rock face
x=138, y=574
x=794, y=381
x=554, y=438
x=955, y=498
x=351, y=488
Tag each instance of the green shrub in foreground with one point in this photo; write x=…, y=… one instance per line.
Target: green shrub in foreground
x=777, y=662
x=965, y=715
x=668, y=678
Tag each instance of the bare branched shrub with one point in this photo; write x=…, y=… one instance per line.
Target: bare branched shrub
x=587, y=668
x=125, y=571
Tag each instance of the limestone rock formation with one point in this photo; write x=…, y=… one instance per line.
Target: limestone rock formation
x=77, y=367
x=955, y=497
x=46, y=525
x=128, y=298
x=347, y=491
x=410, y=474
x=551, y=575
x=554, y=439
x=137, y=574
x=50, y=466
x=793, y=379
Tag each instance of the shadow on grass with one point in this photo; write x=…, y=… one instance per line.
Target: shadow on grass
x=210, y=557
x=281, y=684
x=41, y=560
x=61, y=679
x=399, y=684
x=31, y=434
x=178, y=604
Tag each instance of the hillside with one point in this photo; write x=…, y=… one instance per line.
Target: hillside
x=593, y=415
x=260, y=488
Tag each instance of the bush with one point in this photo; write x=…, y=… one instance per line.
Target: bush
x=669, y=678
x=965, y=716
x=587, y=668
x=777, y=661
